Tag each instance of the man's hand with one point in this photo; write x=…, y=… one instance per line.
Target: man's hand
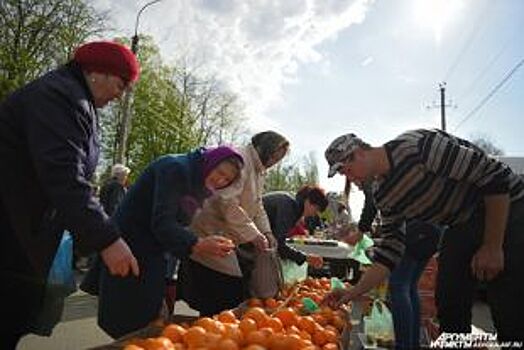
x=315, y=261
x=337, y=298
x=119, y=259
x=214, y=246
x=487, y=262
x=353, y=238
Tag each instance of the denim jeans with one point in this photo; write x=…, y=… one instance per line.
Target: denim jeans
x=405, y=303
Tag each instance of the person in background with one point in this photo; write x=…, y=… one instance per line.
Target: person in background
x=441, y=179
x=49, y=148
x=114, y=189
x=154, y=216
x=110, y=195
x=238, y=213
x=284, y=211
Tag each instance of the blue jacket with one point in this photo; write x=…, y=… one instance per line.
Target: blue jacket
x=153, y=217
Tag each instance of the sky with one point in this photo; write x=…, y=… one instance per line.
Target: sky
x=317, y=69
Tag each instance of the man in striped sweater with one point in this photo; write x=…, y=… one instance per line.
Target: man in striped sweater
x=438, y=178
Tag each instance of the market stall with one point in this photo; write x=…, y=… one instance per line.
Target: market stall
x=337, y=255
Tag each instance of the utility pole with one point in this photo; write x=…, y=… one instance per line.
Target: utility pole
x=442, y=105
x=124, y=126
x=442, y=87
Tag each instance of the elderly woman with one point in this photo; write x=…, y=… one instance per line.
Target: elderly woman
x=237, y=213
x=49, y=149
x=154, y=216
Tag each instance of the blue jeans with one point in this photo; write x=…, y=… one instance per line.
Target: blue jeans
x=405, y=303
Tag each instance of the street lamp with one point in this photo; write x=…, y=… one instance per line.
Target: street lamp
x=125, y=124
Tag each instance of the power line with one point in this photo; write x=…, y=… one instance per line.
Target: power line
x=467, y=43
x=491, y=93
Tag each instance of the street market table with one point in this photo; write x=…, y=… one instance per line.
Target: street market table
x=336, y=254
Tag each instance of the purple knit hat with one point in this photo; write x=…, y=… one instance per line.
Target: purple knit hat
x=213, y=157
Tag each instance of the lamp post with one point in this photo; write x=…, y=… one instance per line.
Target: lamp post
x=125, y=122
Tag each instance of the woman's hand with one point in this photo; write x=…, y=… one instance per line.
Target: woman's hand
x=214, y=245
x=260, y=242
x=119, y=259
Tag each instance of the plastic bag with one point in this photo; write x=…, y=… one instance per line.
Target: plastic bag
x=61, y=274
x=378, y=326
x=293, y=272
x=266, y=278
x=60, y=284
x=359, y=251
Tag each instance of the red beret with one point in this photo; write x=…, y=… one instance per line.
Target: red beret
x=108, y=57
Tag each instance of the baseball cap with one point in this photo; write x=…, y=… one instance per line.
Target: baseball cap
x=339, y=151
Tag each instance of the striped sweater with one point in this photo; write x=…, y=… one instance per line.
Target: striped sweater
x=437, y=178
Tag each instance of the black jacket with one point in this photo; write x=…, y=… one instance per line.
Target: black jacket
x=283, y=211
x=111, y=194
x=49, y=149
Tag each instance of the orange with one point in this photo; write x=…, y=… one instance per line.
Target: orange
x=227, y=344
x=210, y=325
x=331, y=336
x=257, y=337
x=330, y=346
x=338, y=322
x=247, y=325
x=159, y=343
x=195, y=336
x=255, y=347
x=227, y=316
x=271, y=303
x=274, y=323
x=287, y=315
x=133, y=347
x=319, y=337
x=174, y=332
x=256, y=313
x=320, y=319
x=234, y=333
x=306, y=323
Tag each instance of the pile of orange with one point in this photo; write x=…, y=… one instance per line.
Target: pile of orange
x=264, y=325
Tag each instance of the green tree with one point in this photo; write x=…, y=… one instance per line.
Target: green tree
x=173, y=111
x=290, y=176
x=38, y=35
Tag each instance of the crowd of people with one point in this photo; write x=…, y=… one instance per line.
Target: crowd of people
x=207, y=211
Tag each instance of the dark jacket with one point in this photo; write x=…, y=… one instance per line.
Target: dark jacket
x=111, y=194
x=153, y=217
x=283, y=211
x=49, y=149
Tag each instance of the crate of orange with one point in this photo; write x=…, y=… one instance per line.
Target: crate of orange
x=270, y=324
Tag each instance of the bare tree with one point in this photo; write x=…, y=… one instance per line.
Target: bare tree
x=487, y=145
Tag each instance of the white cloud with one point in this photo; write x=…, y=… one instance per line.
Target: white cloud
x=367, y=61
x=254, y=47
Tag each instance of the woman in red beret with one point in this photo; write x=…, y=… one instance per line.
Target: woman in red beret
x=49, y=148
